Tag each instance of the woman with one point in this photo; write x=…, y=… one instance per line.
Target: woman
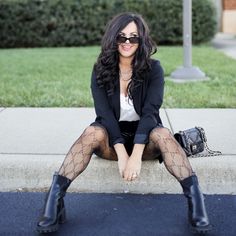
x=127, y=88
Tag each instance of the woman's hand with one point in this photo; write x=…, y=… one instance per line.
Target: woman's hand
x=122, y=162
x=122, y=157
x=133, y=168
x=134, y=164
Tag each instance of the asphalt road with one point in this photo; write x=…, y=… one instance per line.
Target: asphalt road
x=116, y=214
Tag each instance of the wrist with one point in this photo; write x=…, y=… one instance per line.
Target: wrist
x=136, y=156
x=138, y=151
x=120, y=151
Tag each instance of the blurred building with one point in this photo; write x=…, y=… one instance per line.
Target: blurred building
x=226, y=15
x=229, y=16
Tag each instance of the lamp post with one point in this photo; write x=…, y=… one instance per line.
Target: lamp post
x=187, y=72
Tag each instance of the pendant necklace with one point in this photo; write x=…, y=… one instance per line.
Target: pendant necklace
x=126, y=75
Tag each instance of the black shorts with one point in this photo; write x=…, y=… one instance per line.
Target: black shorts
x=128, y=130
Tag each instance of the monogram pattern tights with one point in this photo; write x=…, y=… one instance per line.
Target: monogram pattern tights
x=173, y=155
x=95, y=140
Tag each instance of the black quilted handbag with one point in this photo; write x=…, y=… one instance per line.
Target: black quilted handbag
x=194, y=141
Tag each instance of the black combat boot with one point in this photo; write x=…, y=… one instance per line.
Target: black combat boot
x=197, y=214
x=54, y=209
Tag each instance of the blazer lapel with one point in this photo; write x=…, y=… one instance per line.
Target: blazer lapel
x=115, y=100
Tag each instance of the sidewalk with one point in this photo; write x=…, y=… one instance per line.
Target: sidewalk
x=225, y=43
x=34, y=142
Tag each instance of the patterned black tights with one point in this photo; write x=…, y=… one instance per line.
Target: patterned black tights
x=173, y=155
x=93, y=140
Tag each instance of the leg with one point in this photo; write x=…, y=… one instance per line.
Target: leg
x=177, y=163
x=175, y=159
x=93, y=139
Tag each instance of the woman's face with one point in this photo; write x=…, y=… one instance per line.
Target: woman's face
x=127, y=48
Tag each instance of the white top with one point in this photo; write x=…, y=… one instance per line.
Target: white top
x=127, y=112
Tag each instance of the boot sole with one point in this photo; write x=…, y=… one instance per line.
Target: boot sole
x=54, y=228
x=47, y=230
x=201, y=230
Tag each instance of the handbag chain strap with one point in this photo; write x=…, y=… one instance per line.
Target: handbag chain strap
x=209, y=151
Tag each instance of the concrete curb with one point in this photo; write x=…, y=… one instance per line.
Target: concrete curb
x=34, y=173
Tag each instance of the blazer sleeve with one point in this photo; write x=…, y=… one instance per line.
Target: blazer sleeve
x=150, y=118
x=104, y=112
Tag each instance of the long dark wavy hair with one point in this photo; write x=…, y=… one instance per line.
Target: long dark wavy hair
x=107, y=65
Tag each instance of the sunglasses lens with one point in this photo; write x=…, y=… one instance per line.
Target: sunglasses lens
x=122, y=39
x=134, y=40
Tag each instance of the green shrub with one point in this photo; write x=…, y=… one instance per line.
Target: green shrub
x=50, y=23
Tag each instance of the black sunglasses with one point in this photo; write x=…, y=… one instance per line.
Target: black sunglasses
x=123, y=39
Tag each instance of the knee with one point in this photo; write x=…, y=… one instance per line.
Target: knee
x=160, y=133
x=96, y=132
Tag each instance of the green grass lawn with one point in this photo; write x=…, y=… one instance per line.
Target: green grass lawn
x=60, y=77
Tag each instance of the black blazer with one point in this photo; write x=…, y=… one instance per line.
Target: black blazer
x=147, y=100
